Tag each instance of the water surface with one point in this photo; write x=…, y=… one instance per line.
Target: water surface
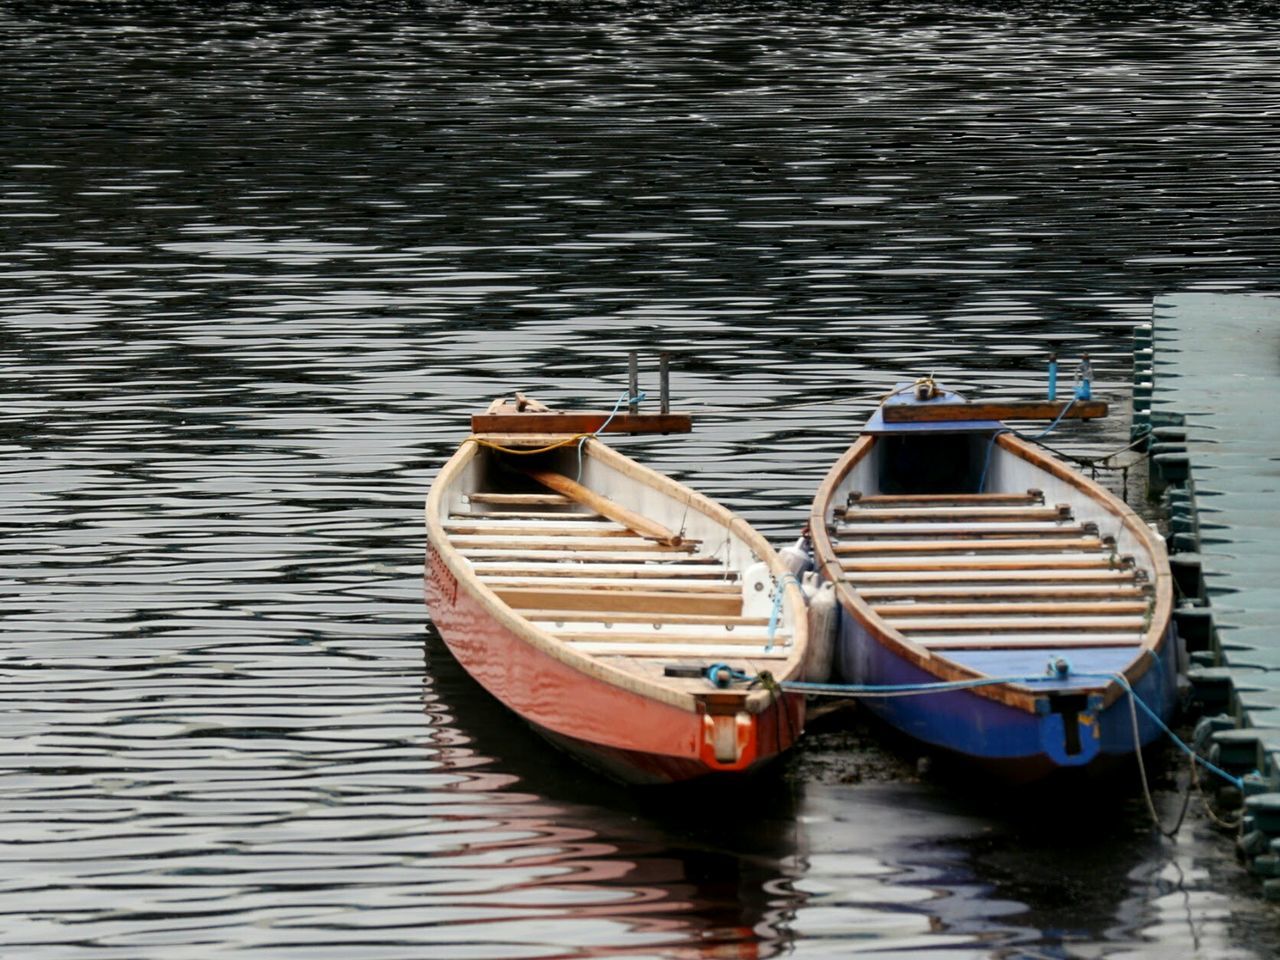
x=260, y=263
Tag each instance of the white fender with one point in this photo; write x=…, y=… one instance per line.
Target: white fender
x=796, y=557
x=822, y=628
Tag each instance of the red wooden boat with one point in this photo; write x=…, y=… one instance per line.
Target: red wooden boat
x=630, y=620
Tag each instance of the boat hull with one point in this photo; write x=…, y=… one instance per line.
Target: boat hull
x=630, y=736
x=1019, y=745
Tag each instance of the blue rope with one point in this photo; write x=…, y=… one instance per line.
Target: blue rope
x=713, y=672
x=1235, y=781
x=923, y=689
x=625, y=398
x=1057, y=420
x=986, y=463
x=779, y=587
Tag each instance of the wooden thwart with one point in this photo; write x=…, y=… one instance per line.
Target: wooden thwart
x=981, y=564
x=664, y=616
x=668, y=637
x=629, y=543
x=1000, y=530
x=1048, y=578
x=522, y=516
x=498, y=567
x=1061, y=511
x=1097, y=608
x=1008, y=410
x=520, y=499
x=1018, y=624
x=946, y=499
x=533, y=601
x=697, y=651
x=1031, y=592
x=968, y=546
x=1027, y=643
x=594, y=582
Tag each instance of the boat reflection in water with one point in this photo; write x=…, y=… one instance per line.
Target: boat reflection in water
x=548, y=859
x=603, y=871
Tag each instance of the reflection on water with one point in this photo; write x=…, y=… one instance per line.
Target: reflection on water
x=258, y=266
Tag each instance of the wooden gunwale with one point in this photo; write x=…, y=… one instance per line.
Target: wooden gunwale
x=1018, y=696
x=468, y=578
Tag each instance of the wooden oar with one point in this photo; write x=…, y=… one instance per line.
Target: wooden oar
x=643, y=526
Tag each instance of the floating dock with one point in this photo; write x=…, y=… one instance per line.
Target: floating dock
x=1207, y=408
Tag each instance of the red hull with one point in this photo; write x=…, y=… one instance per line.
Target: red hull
x=631, y=736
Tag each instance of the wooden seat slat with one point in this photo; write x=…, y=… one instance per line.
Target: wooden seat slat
x=707, y=651
x=1046, y=642
x=985, y=563
x=906, y=514
x=1048, y=578
x=638, y=557
x=695, y=587
x=1081, y=624
x=1102, y=608
x=973, y=546
x=514, y=516
x=1030, y=592
x=620, y=571
x=540, y=528
x=532, y=601
x=650, y=617
x=667, y=637
x=988, y=499
x=540, y=544
x=516, y=499
x=937, y=530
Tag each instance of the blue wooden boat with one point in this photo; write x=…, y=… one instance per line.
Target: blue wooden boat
x=964, y=555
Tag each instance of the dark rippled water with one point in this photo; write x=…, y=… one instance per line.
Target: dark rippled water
x=259, y=264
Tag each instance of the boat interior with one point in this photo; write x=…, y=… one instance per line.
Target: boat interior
x=969, y=551
x=613, y=567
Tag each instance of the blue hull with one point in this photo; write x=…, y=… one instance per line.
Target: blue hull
x=1021, y=745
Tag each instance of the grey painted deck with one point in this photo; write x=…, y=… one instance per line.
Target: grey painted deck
x=1217, y=365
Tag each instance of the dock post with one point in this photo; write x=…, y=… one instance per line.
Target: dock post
x=664, y=382
x=633, y=382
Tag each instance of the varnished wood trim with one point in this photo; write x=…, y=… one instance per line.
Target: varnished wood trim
x=996, y=410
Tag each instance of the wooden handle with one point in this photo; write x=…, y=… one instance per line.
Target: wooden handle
x=640, y=525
